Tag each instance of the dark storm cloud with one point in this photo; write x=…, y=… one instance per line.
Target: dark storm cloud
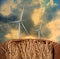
x=27, y=14
x=7, y=19
x=27, y=17
x=27, y=21
x=2, y=2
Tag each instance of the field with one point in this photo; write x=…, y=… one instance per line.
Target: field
x=29, y=49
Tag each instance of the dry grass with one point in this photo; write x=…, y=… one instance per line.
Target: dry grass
x=29, y=49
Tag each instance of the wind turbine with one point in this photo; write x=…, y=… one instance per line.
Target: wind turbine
x=20, y=22
x=39, y=30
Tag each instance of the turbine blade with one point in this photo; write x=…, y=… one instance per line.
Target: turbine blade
x=37, y=30
x=14, y=22
x=24, y=28
x=22, y=14
x=40, y=26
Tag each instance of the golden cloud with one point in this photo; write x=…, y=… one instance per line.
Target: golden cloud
x=34, y=2
x=5, y=9
x=12, y=3
x=36, y=15
x=14, y=35
x=41, y=1
x=54, y=26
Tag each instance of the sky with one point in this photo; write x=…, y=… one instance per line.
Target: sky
x=35, y=12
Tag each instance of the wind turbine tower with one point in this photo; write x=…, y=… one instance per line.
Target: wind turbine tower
x=20, y=23
x=39, y=30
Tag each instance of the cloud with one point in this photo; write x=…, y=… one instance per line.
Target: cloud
x=54, y=27
x=51, y=3
x=34, y=2
x=14, y=3
x=5, y=9
x=36, y=15
x=49, y=14
x=41, y=2
x=37, y=1
x=3, y=31
x=14, y=34
x=57, y=14
x=8, y=19
x=2, y=2
x=33, y=14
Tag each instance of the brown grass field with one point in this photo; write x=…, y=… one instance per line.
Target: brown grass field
x=29, y=49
